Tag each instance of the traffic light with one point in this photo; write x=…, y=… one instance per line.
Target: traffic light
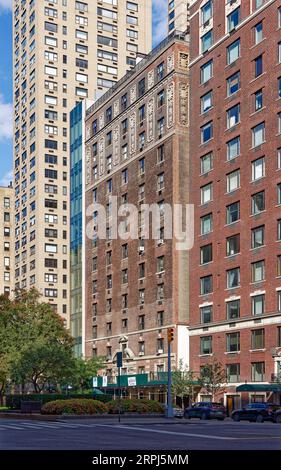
x=170, y=335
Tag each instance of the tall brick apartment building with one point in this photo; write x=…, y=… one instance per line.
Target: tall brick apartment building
x=235, y=266
x=137, y=150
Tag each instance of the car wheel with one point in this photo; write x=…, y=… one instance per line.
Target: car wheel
x=259, y=419
x=204, y=416
x=236, y=418
x=220, y=419
x=187, y=416
x=278, y=419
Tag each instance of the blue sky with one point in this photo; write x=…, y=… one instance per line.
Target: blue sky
x=6, y=95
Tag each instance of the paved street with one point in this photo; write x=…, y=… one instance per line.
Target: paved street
x=141, y=434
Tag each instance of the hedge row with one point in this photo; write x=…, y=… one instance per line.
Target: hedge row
x=76, y=406
x=13, y=401
x=90, y=407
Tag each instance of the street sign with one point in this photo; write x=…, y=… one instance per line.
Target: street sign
x=104, y=381
x=95, y=382
x=119, y=357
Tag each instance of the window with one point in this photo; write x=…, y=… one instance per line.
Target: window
x=160, y=264
x=233, y=84
x=279, y=265
x=206, y=132
x=206, y=193
x=206, y=314
x=124, y=176
x=258, y=134
x=206, y=71
x=233, y=342
x=279, y=52
x=160, y=182
x=206, y=254
x=233, y=373
x=206, y=163
x=258, y=203
x=233, y=52
x=258, y=100
x=206, y=345
x=258, y=271
x=233, y=148
x=279, y=87
x=206, y=41
x=233, y=245
x=206, y=224
x=258, y=302
x=233, y=181
x=233, y=309
x=206, y=13
x=258, y=33
x=257, y=339
x=49, y=248
x=160, y=71
x=206, y=285
x=258, y=169
x=141, y=270
x=233, y=116
x=233, y=278
x=258, y=66
x=258, y=237
x=258, y=371
x=279, y=230
x=279, y=193
x=206, y=102
x=233, y=19
x=141, y=87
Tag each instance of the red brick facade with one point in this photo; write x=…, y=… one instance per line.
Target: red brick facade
x=139, y=328
x=234, y=108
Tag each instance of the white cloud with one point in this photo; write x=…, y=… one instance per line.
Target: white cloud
x=7, y=178
x=6, y=4
x=6, y=119
x=160, y=20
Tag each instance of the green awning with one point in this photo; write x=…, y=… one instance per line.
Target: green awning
x=276, y=388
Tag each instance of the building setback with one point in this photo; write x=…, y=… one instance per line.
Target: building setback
x=235, y=265
x=63, y=52
x=137, y=150
x=6, y=239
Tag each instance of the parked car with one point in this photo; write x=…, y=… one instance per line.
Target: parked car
x=178, y=412
x=277, y=416
x=206, y=410
x=258, y=412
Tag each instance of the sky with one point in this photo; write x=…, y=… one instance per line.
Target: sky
x=6, y=94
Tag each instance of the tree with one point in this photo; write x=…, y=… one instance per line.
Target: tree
x=40, y=364
x=34, y=344
x=84, y=371
x=213, y=378
x=183, y=382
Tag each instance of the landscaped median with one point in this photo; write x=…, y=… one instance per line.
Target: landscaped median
x=91, y=406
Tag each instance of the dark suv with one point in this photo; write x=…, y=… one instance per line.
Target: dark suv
x=206, y=410
x=258, y=412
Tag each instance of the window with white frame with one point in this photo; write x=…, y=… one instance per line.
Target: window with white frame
x=233, y=181
x=207, y=193
x=258, y=169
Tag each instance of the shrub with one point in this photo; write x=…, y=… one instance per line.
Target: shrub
x=135, y=406
x=74, y=406
x=13, y=401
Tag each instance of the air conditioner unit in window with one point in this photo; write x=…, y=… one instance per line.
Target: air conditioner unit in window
x=141, y=353
x=160, y=242
x=160, y=351
x=141, y=249
x=206, y=23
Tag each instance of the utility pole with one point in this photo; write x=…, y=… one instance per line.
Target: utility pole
x=169, y=412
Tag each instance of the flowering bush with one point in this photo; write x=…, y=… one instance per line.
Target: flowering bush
x=75, y=406
x=135, y=406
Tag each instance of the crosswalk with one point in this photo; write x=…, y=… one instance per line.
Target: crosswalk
x=41, y=425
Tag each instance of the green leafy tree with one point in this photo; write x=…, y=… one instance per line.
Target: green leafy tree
x=213, y=378
x=183, y=382
x=29, y=331
x=84, y=370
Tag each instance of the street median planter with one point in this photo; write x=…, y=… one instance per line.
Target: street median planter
x=74, y=407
